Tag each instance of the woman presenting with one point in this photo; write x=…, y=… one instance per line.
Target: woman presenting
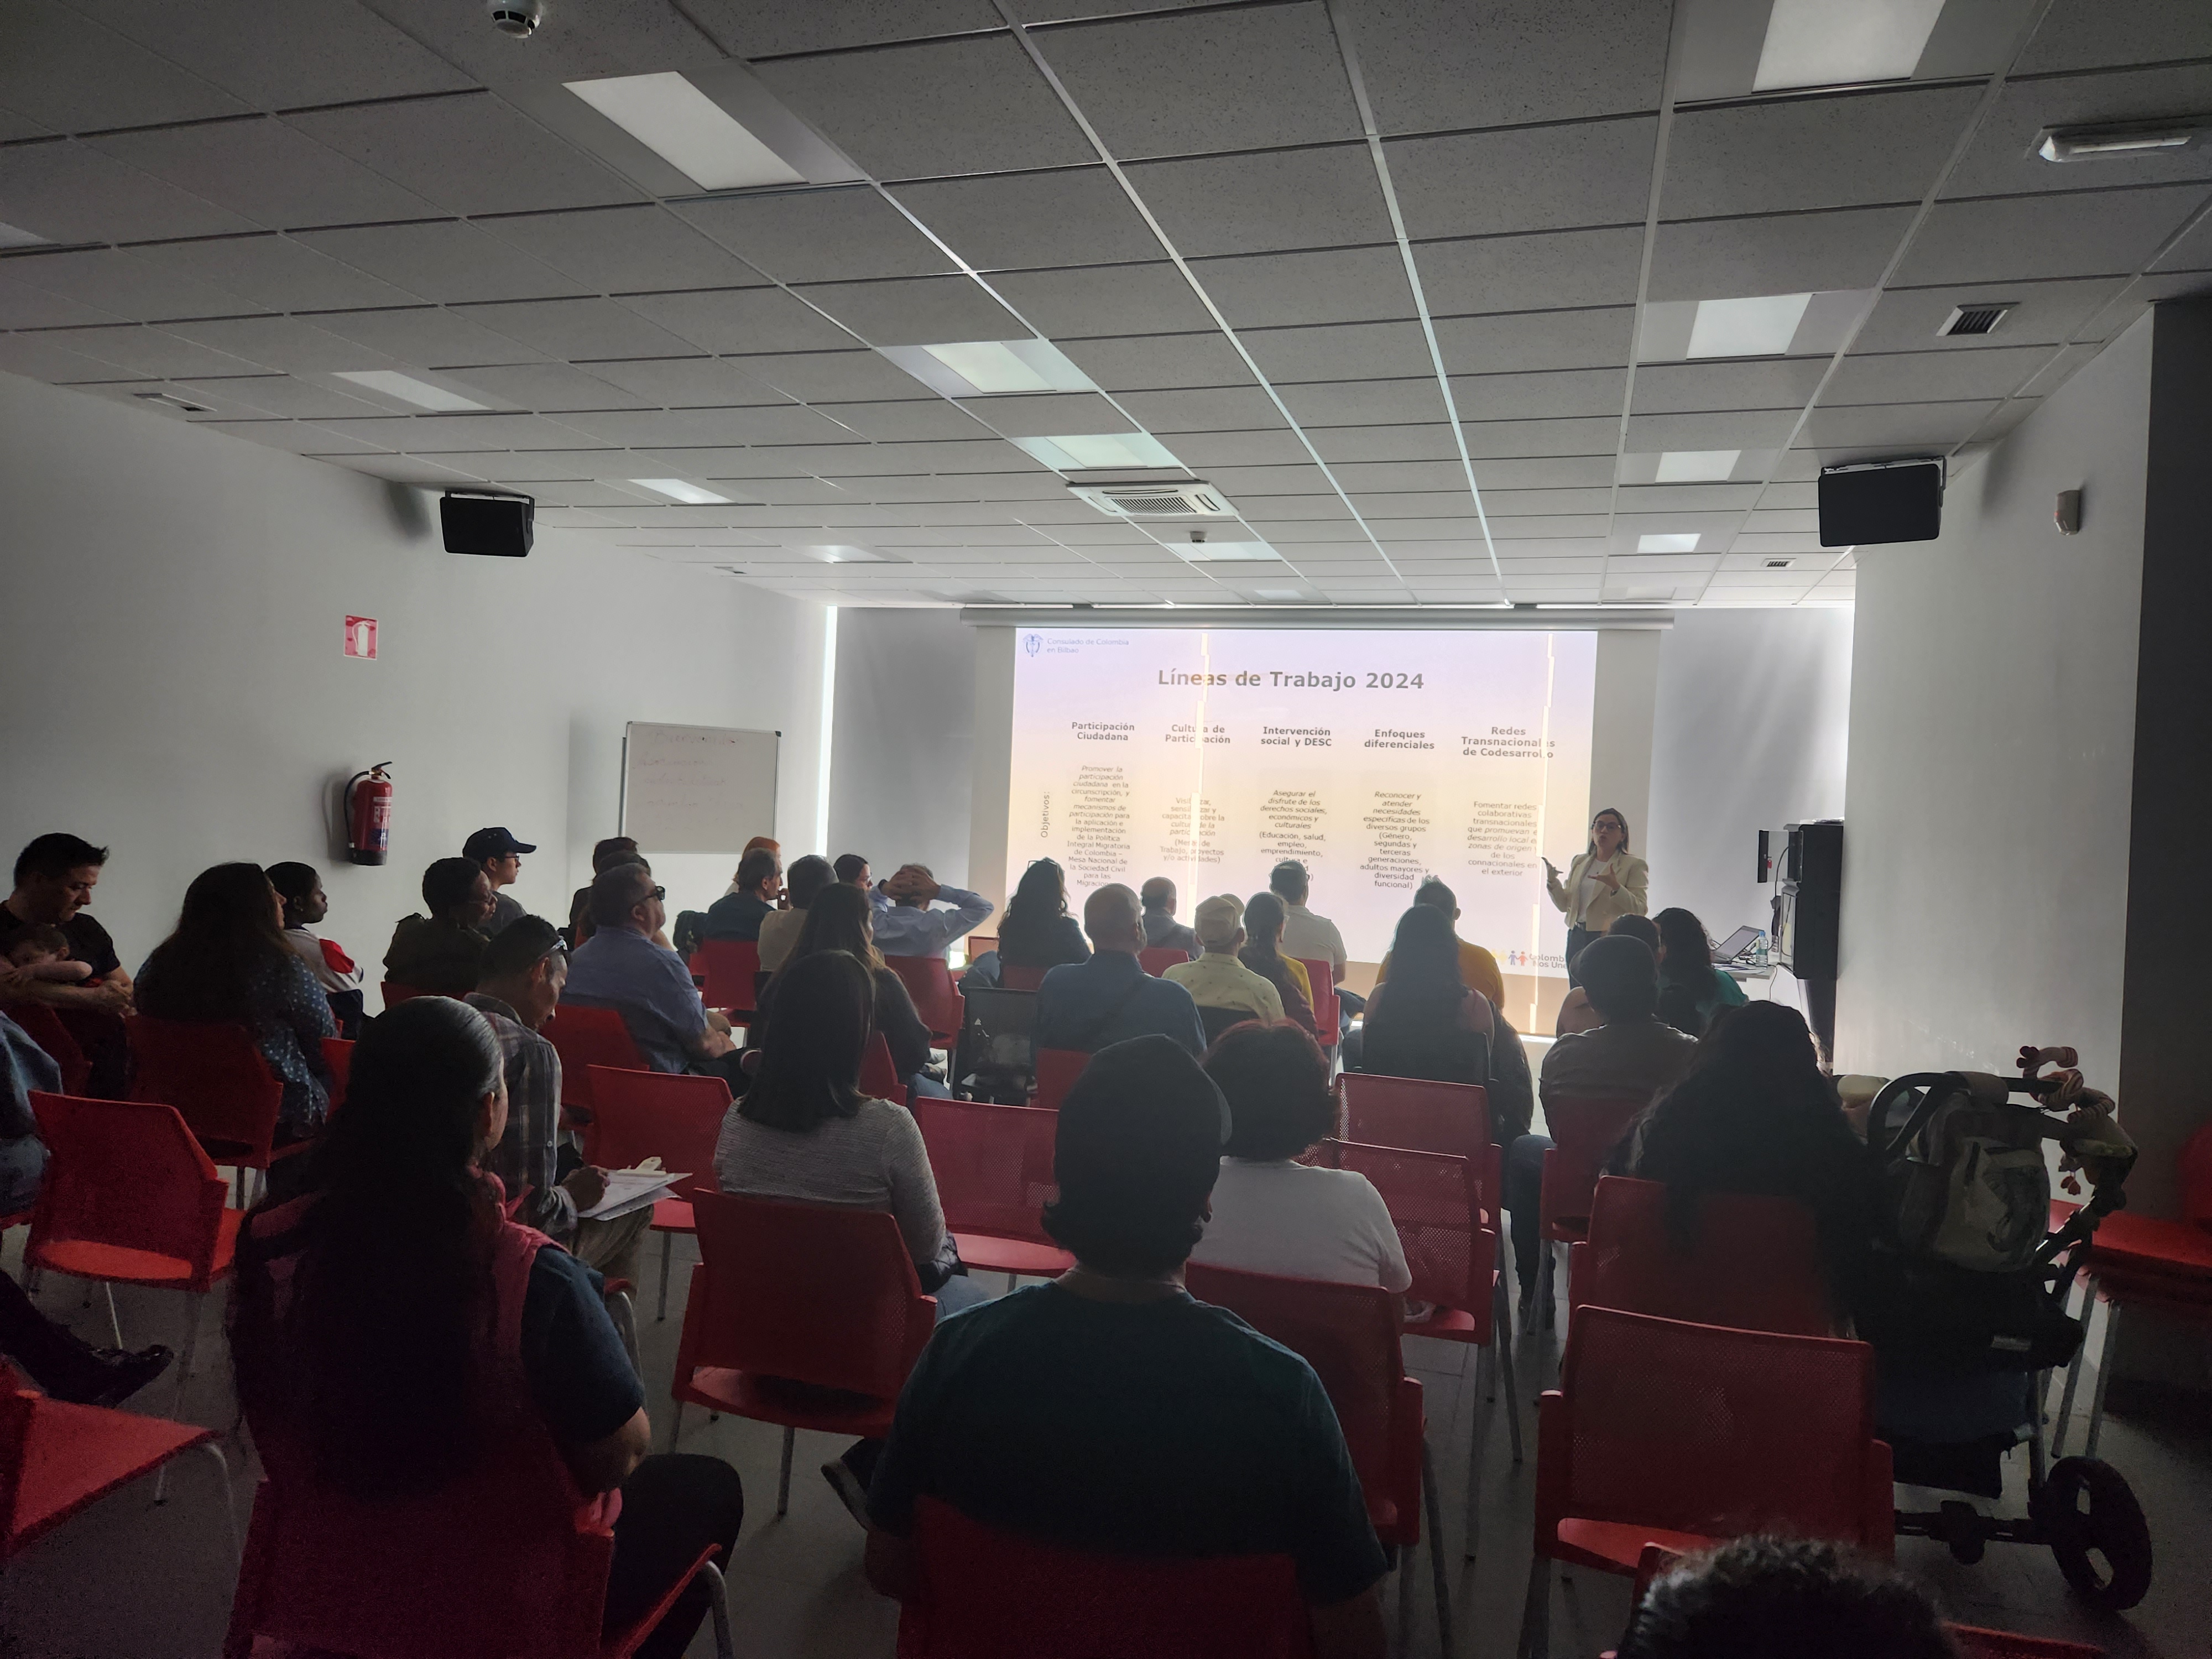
x=1602, y=883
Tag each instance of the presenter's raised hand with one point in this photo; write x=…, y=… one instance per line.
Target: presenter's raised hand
x=1607, y=876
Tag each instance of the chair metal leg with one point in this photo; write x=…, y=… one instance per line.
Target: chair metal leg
x=2104, y=1375
x=667, y=1244
x=783, y=1477
x=2064, y=1426
x=113, y=1323
x=1432, y=1512
x=192, y=1309
x=229, y=1504
x=1503, y=1336
x=1536, y=1612
x=718, y=1600
x=1404, y=1645
x=675, y=1425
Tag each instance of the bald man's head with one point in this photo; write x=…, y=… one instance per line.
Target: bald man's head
x=1114, y=920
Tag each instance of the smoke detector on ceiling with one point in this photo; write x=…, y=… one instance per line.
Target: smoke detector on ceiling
x=1976, y=317
x=518, y=18
x=1192, y=499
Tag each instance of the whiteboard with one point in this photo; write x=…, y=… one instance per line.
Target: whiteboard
x=697, y=788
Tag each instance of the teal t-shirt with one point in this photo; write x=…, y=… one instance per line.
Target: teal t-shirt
x=1166, y=1428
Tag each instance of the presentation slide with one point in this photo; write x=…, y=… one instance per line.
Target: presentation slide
x=1377, y=758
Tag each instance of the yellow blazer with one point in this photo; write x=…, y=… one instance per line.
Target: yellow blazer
x=1606, y=903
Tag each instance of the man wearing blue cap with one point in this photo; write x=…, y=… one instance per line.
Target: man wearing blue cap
x=501, y=856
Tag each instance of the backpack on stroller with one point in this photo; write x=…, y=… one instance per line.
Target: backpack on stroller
x=1965, y=1305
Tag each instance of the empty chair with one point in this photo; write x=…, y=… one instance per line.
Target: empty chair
x=43, y=1027
x=936, y=999
x=1056, y=1071
x=584, y=1037
x=671, y=1116
x=1417, y=1113
x=732, y=968
x=879, y=1077
x=1755, y=1261
x=1329, y=1013
x=993, y=1170
x=1156, y=959
x=213, y=1074
x=823, y=1342
x=1585, y=1130
x=1021, y=979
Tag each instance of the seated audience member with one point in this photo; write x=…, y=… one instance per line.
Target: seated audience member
x=1262, y=953
x=1754, y=1112
x=1427, y=1022
x=838, y=920
x=615, y=850
x=441, y=953
x=1632, y=1054
x=1478, y=968
x=500, y=855
x=1756, y=1597
x=1272, y=1215
x=622, y=968
x=524, y=969
x=300, y=887
x=739, y=913
x=1109, y=1412
x=804, y=1130
x=779, y=929
x=41, y=954
x=1306, y=936
x=1087, y=1006
x=55, y=875
x=1217, y=979
x=1162, y=931
x=1036, y=931
x=1575, y=1013
x=852, y=869
x=228, y=961
x=385, y=1357
x=1691, y=989
x=907, y=927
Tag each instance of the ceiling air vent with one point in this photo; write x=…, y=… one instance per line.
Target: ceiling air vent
x=1156, y=500
x=1976, y=318
x=1780, y=564
x=170, y=400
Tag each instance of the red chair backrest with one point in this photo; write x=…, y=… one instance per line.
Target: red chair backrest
x=1056, y=1071
x=1436, y=1202
x=1417, y=1114
x=125, y=1173
x=879, y=1077
x=1702, y=1429
x=1755, y=1262
x=984, y=1594
x=2195, y=1166
x=338, y=1055
x=1158, y=958
x=1327, y=1013
x=936, y=999
x=729, y=967
x=992, y=1165
x=212, y=1074
x=1973, y=1642
x=395, y=994
x=584, y=1037
x=1584, y=1129
x=641, y=1115
x=1021, y=979
x=43, y=1027
x=841, y=1308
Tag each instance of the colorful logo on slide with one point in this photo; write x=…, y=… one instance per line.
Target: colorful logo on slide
x=1032, y=644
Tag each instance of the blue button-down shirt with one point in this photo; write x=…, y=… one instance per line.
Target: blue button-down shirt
x=916, y=930
x=1087, y=1005
x=650, y=988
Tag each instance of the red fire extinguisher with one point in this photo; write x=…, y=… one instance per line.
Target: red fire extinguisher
x=369, y=814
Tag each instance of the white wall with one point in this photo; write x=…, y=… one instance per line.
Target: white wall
x=901, y=759
x=1993, y=699
x=175, y=685
x=1750, y=731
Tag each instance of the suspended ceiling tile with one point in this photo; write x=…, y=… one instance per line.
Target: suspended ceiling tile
x=331, y=53
x=1758, y=383
x=637, y=248
x=118, y=280
x=1093, y=300
x=1266, y=201
x=770, y=28
x=1581, y=391
x=916, y=311
x=1774, y=253
x=1488, y=184
x=428, y=337
x=506, y=163
x=444, y=260
x=833, y=376
x=265, y=172
x=2090, y=233
x=576, y=329
x=1928, y=376
x=1014, y=221
x=1353, y=403
x=818, y=235
x=1593, y=338
x=1787, y=155
x=1531, y=273
x=2090, y=34
x=70, y=75
x=1155, y=362
x=66, y=190
x=273, y=272
x=2004, y=161
x=752, y=319
x=686, y=382
x=1274, y=290
x=1340, y=351
x=1432, y=64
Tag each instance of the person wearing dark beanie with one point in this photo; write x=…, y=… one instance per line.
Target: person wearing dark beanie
x=1108, y=1410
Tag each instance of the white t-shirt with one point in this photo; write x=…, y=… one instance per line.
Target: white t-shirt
x=1311, y=938
x=1303, y=1222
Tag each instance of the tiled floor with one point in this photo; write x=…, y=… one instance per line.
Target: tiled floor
x=129, y=1581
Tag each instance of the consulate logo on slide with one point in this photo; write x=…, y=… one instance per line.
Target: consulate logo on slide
x=1033, y=643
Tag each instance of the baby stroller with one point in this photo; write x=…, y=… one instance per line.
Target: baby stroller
x=1964, y=1306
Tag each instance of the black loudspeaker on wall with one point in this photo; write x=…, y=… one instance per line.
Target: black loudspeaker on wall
x=499, y=526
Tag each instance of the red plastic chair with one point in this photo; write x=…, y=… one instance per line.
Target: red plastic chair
x=508, y=1559
x=1021, y=979
x=1585, y=1131
x=936, y=999
x=1445, y=1211
x=213, y=1074
x=879, y=1077
x=56, y=1459
x=805, y=1315
x=1156, y=959
x=1755, y=1264
x=338, y=1056
x=1349, y=1334
x=731, y=968
x=993, y=1170
x=1416, y=1113
x=1973, y=1642
x=1236, y=1606
x=43, y=1027
x=584, y=1037
x=1056, y=1071
x=675, y=1117
x=395, y=994
x=130, y=1199
x=1681, y=1435
x=1329, y=1013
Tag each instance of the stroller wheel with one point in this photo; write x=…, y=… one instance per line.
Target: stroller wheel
x=2098, y=1533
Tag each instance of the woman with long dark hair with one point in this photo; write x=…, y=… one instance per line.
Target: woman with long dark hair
x=392, y=1330
x=839, y=919
x=228, y=962
x=1691, y=989
x=1425, y=1022
x=1036, y=931
x=1264, y=916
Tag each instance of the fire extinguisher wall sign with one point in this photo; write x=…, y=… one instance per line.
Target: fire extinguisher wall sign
x=369, y=814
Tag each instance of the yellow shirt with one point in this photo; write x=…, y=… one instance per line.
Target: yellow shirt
x=1477, y=970
x=1219, y=981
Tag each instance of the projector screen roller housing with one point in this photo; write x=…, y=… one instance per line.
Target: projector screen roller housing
x=1376, y=759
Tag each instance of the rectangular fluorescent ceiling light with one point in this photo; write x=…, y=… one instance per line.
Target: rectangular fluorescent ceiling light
x=841, y=554
x=2118, y=142
x=990, y=368
x=408, y=390
x=1278, y=593
x=1212, y=552
x=1761, y=326
x=1833, y=43
x=678, y=490
x=1671, y=542
x=686, y=129
x=1083, y=452
x=1698, y=465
